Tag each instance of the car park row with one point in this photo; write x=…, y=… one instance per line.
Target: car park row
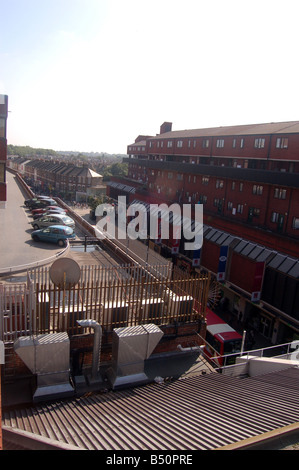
x=50, y=222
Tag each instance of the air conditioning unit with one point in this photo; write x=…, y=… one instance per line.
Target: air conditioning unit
x=152, y=309
x=115, y=314
x=69, y=315
x=180, y=306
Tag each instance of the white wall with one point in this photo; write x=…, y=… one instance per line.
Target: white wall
x=264, y=365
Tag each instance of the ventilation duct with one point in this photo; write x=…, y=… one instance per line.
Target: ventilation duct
x=96, y=356
x=47, y=356
x=130, y=347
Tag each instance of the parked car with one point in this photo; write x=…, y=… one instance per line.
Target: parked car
x=48, y=212
x=37, y=198
x=41, y=210
x=54, y=234
x=40, y=203
x=53, y=219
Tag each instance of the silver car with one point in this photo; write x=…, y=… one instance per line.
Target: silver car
x=53, y=219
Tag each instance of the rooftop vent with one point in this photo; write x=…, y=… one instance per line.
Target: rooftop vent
x=130, y=347
x=47, y=356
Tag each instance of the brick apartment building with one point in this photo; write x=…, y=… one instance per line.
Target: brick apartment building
x=3, y=146
x=247, y=178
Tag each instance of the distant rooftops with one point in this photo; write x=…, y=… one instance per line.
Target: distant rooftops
x=58, y=167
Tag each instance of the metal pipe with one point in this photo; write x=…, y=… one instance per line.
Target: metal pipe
x=96, y=355
x=192, y=348
x=243, y=342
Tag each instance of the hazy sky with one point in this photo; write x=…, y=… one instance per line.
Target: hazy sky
x=91, y=75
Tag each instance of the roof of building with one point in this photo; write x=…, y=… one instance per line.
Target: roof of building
x=63, y=168
x=200, y=412
x=290, y=127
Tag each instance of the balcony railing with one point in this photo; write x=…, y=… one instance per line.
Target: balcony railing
x=245, y=174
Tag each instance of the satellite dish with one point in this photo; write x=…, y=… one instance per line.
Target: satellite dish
x=65, y=272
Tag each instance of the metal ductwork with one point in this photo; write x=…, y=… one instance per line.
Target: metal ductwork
x=96, y=356
x=47, y=356
x=130, y=347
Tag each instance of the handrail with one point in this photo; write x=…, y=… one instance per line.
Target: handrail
x=248, y=353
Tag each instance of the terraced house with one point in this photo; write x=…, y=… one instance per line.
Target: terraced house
x=77, y=182
x=247, y=179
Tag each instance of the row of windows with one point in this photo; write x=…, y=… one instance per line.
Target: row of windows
x=279, y=193
x=281, y=142
x=256, y=189
x=232, y=207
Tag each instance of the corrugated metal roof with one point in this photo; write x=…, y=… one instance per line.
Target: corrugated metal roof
x=203, y=412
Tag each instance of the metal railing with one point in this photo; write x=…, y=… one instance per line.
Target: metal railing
x=282, y=351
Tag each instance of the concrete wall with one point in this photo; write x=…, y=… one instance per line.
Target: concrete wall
x=265, y=365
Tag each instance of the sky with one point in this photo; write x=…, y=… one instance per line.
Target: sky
x=92, y=75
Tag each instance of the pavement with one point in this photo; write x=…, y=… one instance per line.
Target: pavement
x=16, y=247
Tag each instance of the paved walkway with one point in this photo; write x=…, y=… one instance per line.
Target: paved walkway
x=16, y=245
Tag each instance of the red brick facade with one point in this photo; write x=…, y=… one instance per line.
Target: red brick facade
x=3, y=145
x=246, y=178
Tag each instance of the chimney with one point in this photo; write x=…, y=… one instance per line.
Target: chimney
x=166, y=127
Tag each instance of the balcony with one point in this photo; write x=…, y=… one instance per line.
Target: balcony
x=242, y=174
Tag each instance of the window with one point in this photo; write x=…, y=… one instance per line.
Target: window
x=234, y=143
x=2, y=127
x=2, y=173
x=216, y=202
x=280, y=193
x=242, y=143
x=219, y=184
x=220, y=143
x=296, y=223
x=274, y=217
x=233, y=185
x=241, y=187
x=205, y=143
x=169, y=143
x=179, y=177
x=169, y=175
x=180, y=143
x=230, y=206
x=257, y=189
x=254, y=212
x=240, y=208
x=150, y=144
x=259, y=143
x=282, y=143
x=205, y=180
